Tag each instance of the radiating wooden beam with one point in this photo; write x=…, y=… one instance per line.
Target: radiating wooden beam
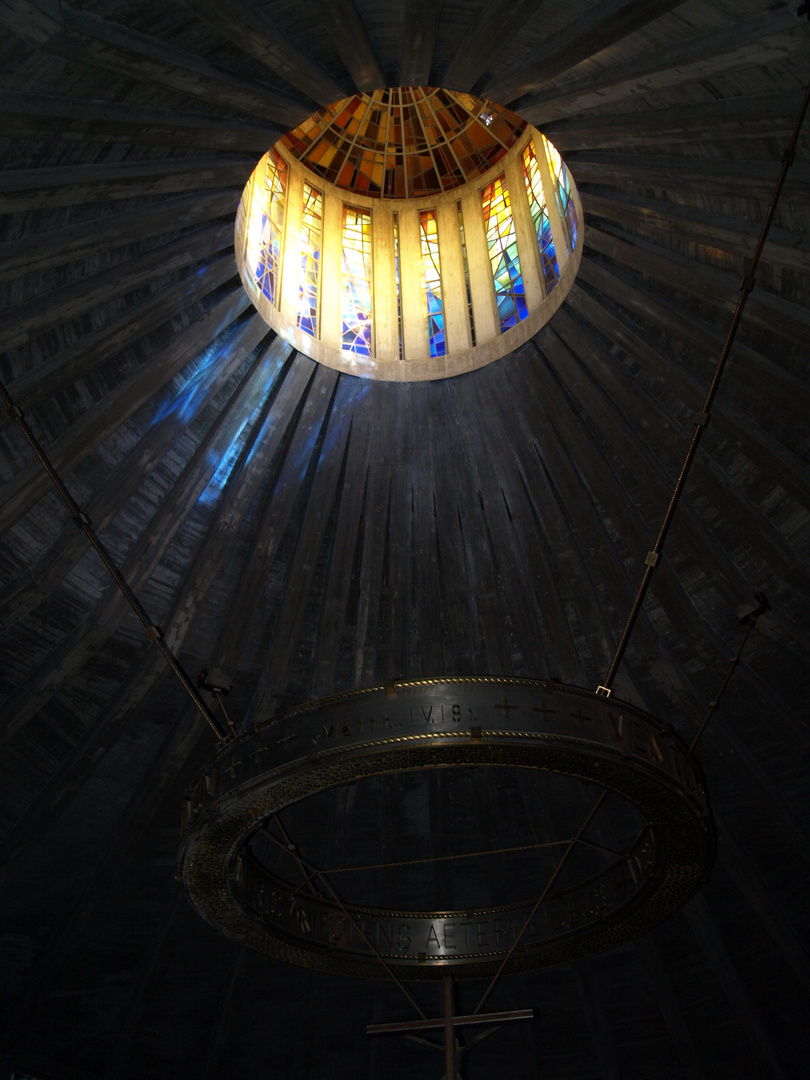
x=603, y=24
x=52, y=116
x=419, y=29
x=766, y=115
x=729, y=234
x=69, y=185
x=31, y=482
x=172, y=417
x=731, y=178
x=315, y=387
x=260, y=36
x=760, y=446
x=74, y=651
x=44, y=250
x=488, y=35
x=80, y=358
x=757, y=40
x=84, y=38
x=32, y=317
x=765, y=309
x=352, y=42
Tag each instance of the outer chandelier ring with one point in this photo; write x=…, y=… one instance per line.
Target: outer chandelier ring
x=446, y=723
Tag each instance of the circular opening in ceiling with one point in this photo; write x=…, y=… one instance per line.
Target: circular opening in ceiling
x=408, y=234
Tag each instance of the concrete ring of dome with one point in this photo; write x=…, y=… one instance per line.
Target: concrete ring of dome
x=409, y=258
x=446, y=723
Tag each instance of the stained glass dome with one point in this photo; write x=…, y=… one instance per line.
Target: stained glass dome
x=411, y=233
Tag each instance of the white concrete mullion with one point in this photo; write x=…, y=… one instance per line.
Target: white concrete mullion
x=291, y=244
x=528, y=251
x=330, y=316
x=386, y=323
x=558, y=230
x=454, y=288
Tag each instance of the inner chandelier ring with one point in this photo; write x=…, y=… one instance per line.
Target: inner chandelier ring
x=409, y=234
x=445, y=723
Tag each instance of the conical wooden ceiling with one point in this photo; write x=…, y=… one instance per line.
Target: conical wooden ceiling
x=301, y=530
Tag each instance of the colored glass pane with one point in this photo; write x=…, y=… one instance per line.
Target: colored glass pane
x=405, y=142
x=431, y=271
x=308, y=272
x=265, y=232
x=357, y=279
x=564, y=198
x=510, y=293
x=539, y=212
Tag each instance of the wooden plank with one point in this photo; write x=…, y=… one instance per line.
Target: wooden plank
x=322, y=498
x=81, y=37
x=602, y=25
x=731, y=178
x=419, y=28
x=38, y=115
x=78, y=360
x=758, y=445
x=459, y=594
x=261, y=37
x=758, y=40
x=784, y=247
x=372, y=663
x=44, y=188
x=145, y=554
x=44, y=250
x=352, y=43
x=486, y=37
x=350, y=524
x=31, y=483
x=757, y=370
x=763, y=308
x=753, y=116
x=171, y=412
x=315, y=389
x=28, y=320
x=400, y=630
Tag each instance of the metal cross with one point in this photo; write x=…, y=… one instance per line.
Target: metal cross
x=453, y=1050
x=506, y=706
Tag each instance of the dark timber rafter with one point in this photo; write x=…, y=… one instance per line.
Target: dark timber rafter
x=259, y=36
x=421, y=22
x=487, y=36
x=759, y=39
x=78, y=35
x=605, y=23
x=352, y=42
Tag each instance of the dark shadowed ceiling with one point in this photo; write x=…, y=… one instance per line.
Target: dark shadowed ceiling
x=302, y=530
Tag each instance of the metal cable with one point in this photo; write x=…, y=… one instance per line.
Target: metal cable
x=702, y=418
x=82, y=521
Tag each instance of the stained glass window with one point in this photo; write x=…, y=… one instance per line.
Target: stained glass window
x=404, y=142
x=311, y=232
x=463, y=240
x=357, y=298
x=397, y=281
x=267, y=225
x=566, y=202
x=431, y=270
x=539, y=211
x=510, y=293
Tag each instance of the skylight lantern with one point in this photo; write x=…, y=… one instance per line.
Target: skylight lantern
x=410, y=233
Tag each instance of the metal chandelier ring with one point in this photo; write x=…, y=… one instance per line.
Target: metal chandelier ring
x=446, y=723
